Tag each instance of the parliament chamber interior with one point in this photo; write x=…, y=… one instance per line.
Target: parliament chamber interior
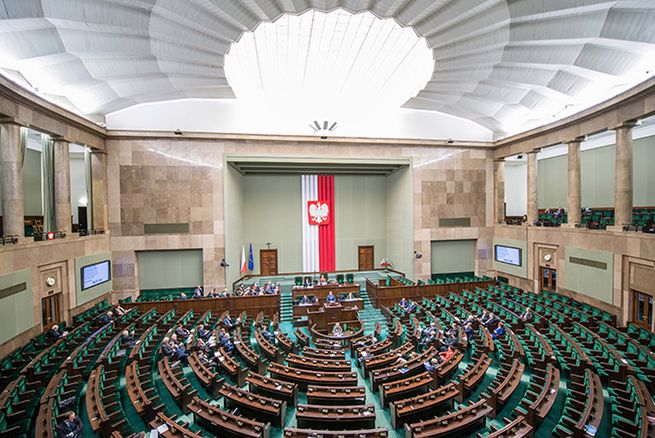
x=327, y=219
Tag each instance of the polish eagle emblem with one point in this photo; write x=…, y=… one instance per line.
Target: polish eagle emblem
x=319, y=212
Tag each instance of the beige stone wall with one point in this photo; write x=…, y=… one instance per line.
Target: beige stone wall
x=624, y=246
x=181, y=180
x=52, y=258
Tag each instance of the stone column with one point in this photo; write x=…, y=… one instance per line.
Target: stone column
x=623, y=175
x=11, y=170
x=99, y=190
x=499, y=183
x=62, y=185
x=533, y=210
x=574, y=196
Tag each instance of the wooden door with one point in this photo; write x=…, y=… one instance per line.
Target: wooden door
x=268, y=261
x=366, y=257
x=51, y=310
x=642, y=309
x=548, y=279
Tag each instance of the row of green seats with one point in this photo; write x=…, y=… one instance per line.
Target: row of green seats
x=91, y=313
x=341, y=278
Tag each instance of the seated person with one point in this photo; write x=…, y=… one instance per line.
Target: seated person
x=400, y=360
x=453, y=331
x=213, y=294
x=445, y=355
x=365, y=356
x=203, y=333
x=330, y=298
x=431, y=365
x=227, y=343
x=492, y=321
x=267, y=334
x=179, y=351
x=201, y=345
x=55, y=333
x=198, y=291
x=350, y=297
x=307, y=282
x=447, y=343
x=527, y=316
x=469, y=331
x=337, y=330
x=403, y=303
x=425, y=342
x=205, y=360
x=228, y=323
x=119, y=310
x=183, y=296
x=411, y=307
x=71, y=427
x=484, y=317
x=322, y=280
x=181, y=331
x=127, y=338
x=107, y=318
x=166, y=347
x=304, y=300
x=499, y=332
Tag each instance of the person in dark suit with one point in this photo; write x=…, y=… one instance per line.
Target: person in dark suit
x=71, y=427
x=107, y=318
x=127, y=339
x=181, y=331
x=305, y=300
x=166, y=347
x=527, y=316
x=203, y=333
x=499, y=332
x=469, y=331
x=411, y=307
x=403, y=303
x=492, y=321
x=55, y=333
x=267, y=334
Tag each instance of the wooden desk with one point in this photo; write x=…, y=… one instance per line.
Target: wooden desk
x=254, y=404
x=304, y=377
x=277, y=389
x=327, y=395
x=313, y=364
x=321, y=291
x=405, y=388
x=175, y=430
x=226, y=424
x=176, y=383
x=422, y=406
x=293, y=432
x=459, y=422
x=336, y=417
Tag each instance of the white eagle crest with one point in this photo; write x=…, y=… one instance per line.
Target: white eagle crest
x=319, y=212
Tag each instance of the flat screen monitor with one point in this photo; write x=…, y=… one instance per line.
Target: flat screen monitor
x=96, y=274
x=508, y=254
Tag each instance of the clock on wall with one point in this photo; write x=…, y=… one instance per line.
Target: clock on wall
x=547, y=257
x=50, y=281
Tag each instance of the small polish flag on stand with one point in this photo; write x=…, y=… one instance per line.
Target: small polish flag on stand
x=243, y=259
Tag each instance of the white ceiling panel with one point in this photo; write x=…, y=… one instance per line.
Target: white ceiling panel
x=508, y=65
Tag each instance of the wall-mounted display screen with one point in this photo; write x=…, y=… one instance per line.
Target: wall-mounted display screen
x=508, y=254
x=95, y=274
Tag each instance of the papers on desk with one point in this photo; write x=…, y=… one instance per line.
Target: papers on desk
x=591, y=430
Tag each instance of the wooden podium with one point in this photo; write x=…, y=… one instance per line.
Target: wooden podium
x=325, y=317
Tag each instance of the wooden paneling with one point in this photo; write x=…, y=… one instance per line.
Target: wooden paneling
x=252, y=305
x=389, y=295
x=268, y=261
x=366, y=257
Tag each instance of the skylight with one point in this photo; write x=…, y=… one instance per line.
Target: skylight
x=329, y=62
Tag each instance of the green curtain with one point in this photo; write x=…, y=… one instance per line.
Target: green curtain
x=89, y=187
x=23, y=143
x=48, y=182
